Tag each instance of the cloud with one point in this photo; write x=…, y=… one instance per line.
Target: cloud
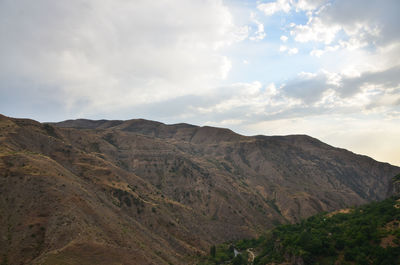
x=102, y=56
x=260, y=33
x=376, y=20
x=315, y=30
x=290, y=51
x=380, y=80
x=352, y=23
x=356, y=42
x=111, y=54
x=244, y=102
x=293, y=51
x=307, y=87
x=320, y=52
x=287, y=5
x=366, y=92
x=283, y=48
x=309, y=4
x=274, y=7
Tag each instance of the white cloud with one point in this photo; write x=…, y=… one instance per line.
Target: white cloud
x=290, y=51
x=271, y=90
x=320, y=52
x=315, y=30
x=293, y=51
x=259, y=33
x=284, y=38
x=274, y=7
x=110, y=54
x=308, y=5
x=240, y=101
x=225, y=67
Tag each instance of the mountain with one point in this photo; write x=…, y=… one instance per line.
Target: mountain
x=364, y=235
x=142, y=192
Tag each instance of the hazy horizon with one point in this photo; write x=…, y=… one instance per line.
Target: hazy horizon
x=325, y=68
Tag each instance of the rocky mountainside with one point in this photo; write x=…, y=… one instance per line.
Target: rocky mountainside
x=142, y=192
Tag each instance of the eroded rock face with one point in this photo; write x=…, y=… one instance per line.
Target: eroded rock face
x=394, y=186
x=152, y=193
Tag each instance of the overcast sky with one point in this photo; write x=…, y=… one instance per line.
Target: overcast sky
x=326, y=68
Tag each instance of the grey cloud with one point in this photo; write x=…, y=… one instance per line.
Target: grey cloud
x=362, y=23
x=380, y=14
x=309, y=90
x=389, y=78
x=383, y=14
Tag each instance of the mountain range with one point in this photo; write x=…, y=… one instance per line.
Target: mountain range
x=143, y=192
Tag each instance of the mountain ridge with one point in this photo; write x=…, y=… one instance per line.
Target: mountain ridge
x=77, y=124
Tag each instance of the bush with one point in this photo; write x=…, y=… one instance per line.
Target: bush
x=212, y=251
x=239, y=260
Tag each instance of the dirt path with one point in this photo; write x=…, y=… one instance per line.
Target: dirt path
x=251, y=255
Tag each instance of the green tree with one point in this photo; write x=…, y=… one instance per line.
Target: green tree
x=213, y=251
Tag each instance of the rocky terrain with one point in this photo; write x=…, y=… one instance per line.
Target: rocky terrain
x=142, y=192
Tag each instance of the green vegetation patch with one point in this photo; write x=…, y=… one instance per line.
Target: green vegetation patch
x=369, y=234
x=396, y=178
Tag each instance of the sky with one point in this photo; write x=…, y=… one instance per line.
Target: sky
x=326, y=68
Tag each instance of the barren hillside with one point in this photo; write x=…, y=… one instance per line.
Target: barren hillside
x=142, y=192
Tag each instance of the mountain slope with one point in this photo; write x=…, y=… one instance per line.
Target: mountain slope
x=296, y=162
x=151, y=193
